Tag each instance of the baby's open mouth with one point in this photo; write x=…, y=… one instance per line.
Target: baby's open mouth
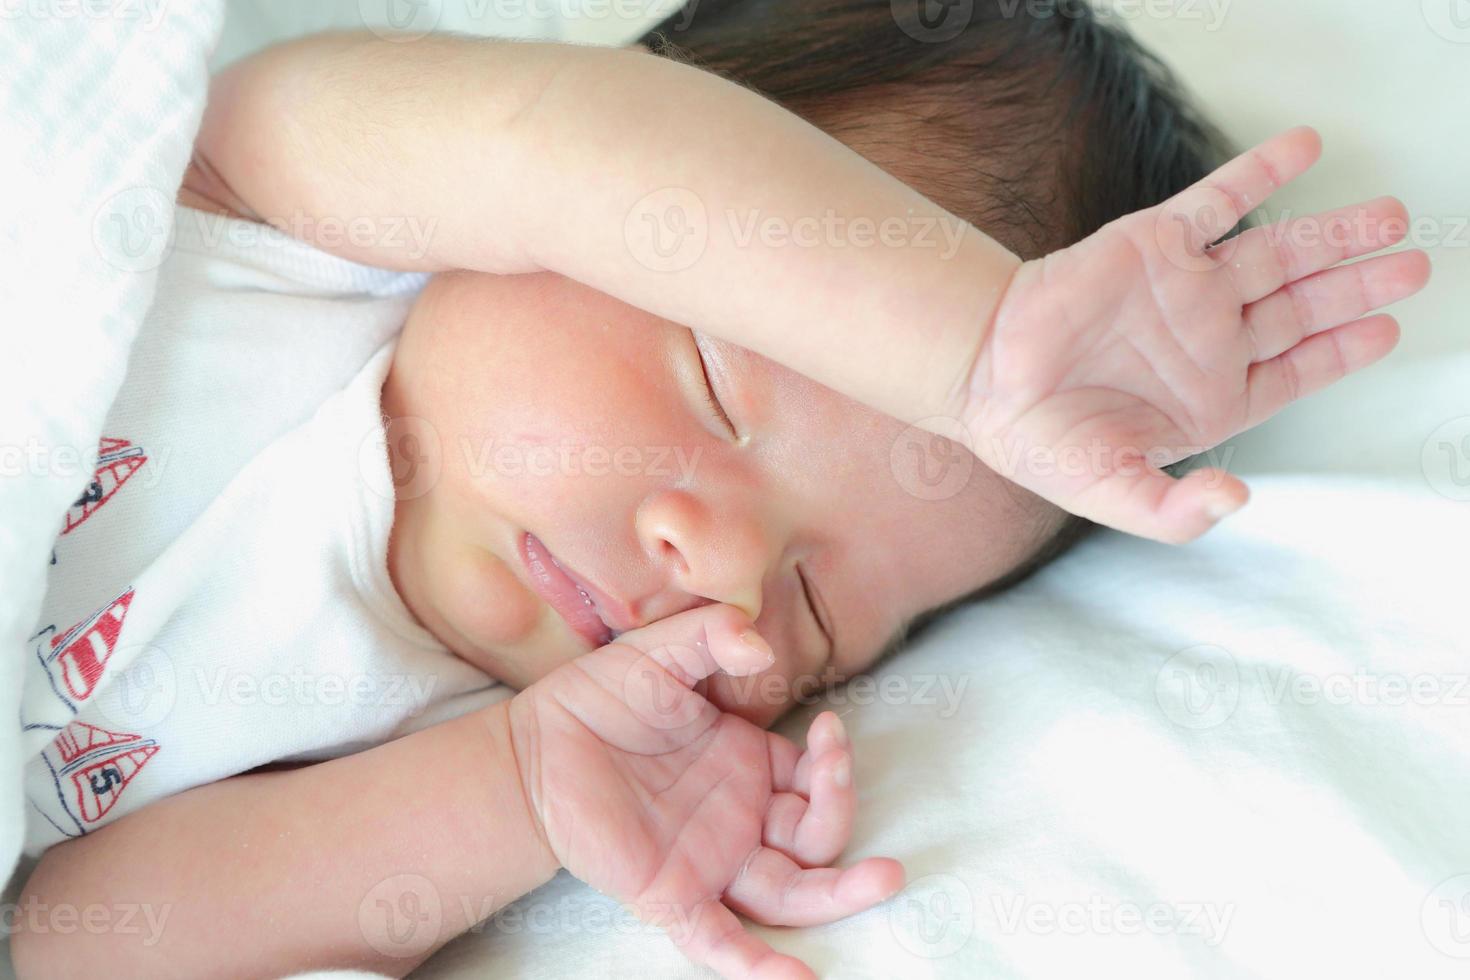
x=561, y=589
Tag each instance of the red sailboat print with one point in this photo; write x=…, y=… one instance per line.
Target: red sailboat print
x=117, y=460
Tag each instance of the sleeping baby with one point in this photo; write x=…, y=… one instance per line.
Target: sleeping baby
x=521, y=428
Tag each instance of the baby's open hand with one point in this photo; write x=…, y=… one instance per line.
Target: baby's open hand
x=1148, y=342
x=647, y=792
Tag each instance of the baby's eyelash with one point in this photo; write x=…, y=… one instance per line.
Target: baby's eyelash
x=811, y=605
x=709, y=389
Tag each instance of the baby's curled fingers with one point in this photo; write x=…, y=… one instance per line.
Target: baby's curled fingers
x=810, y=819
x=775, y=890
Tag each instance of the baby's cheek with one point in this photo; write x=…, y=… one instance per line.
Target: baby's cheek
x=482, y=598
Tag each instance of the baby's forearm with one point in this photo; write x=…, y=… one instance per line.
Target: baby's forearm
x=370, y=861
x=516, y=157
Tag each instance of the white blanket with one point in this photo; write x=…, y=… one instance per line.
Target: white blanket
x=97, y=117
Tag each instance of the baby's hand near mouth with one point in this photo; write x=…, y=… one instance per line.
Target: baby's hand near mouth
x=1146, y=342
x=647, y=792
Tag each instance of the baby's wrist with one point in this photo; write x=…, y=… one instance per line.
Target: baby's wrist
x=513, y=727
x=513, y=758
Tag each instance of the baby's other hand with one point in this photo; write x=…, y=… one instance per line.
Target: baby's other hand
x=1152, y=340
x=650, y=794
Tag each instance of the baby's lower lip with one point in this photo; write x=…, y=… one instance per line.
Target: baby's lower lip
x=559, y=592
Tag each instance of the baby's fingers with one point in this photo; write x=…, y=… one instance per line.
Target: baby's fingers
x=775, y=890
x=814, y=829
x=1263, y=260
x=1329, y=299
x=713, y=937
x=1217, y=204
x=1316, y=363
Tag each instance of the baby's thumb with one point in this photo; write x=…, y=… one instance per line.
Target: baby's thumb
x=1152, y=504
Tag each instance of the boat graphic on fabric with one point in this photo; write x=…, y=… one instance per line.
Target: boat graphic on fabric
x=91, y=767
x=117, y=460
x=79, y=656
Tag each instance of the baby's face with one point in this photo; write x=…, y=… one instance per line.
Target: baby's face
x=542, y=420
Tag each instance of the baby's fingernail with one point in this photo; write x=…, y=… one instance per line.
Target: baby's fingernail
x=757, y=643
x=1222, y=507
x=842, y=773
x=839, y=730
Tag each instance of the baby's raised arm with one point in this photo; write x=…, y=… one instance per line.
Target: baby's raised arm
x=675, y=190
x=1079, y=375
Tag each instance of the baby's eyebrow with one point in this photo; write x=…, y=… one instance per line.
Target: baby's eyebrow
x=819, y=611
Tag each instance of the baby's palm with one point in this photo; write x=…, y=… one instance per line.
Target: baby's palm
x=1147, y=342
x=650, y=794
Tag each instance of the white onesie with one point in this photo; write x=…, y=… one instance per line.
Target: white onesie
x=219, y=597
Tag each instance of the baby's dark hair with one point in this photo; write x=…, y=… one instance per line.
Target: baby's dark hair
x=1034, y=120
